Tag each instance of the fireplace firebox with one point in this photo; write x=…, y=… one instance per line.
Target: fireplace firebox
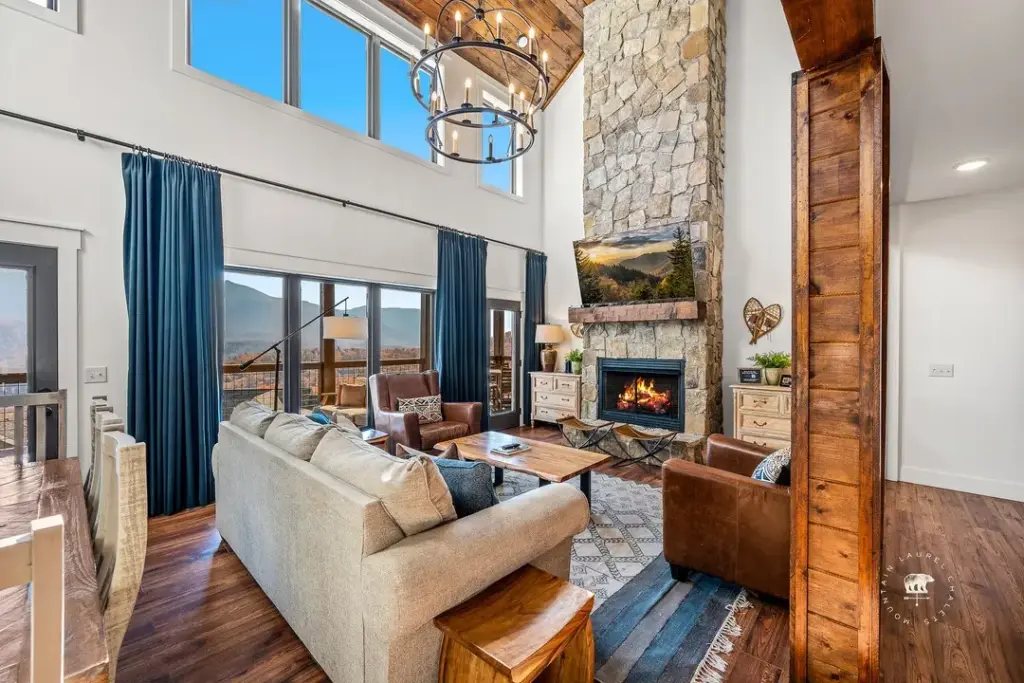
x=645, y=392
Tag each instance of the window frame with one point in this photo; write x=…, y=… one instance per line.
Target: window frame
x=354, y=15
x=291, y=352
x=516, y=183
x=63, y=13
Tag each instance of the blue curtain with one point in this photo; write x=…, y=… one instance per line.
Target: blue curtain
x=460, y=318
x=173, y=279
x=536, y=276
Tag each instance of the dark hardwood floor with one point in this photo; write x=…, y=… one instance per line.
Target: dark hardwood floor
x=979, y=543
x=200, y=617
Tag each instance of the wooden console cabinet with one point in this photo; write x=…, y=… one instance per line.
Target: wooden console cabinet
x=762, y=414
x=554, y=395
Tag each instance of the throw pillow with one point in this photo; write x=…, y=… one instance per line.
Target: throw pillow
x=427, y=407
x=450, y=453
x=469, y=482
x=411, y=490
x=774, y=469
x=319, y=418
x=253, y=417
x=296, y=434
x=352, y=395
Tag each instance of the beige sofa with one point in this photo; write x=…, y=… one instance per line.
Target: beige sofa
x=359, y=594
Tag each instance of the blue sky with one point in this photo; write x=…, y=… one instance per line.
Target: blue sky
x=242, y=42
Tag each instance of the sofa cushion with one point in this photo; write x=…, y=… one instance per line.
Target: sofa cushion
x=470, y=483
x=411, y=489
x=442, y=431
x=295, y=434
x=253, y=417
x=428, y=408
x=774, y=469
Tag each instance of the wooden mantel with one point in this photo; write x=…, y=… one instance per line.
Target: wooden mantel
x=638, y=312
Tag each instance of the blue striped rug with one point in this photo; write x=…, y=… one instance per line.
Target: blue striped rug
x=658, y=630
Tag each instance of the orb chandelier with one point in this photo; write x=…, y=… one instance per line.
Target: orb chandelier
x=510, y=40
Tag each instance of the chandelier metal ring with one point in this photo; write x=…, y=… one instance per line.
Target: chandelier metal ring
x=530, y=134
x=437, y=101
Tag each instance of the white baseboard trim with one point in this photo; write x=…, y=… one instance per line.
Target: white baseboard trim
x=996, y=488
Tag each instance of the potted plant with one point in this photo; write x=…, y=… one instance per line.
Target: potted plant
x=773, y=363
x=576, y=358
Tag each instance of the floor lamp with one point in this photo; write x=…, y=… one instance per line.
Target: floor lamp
x=335, y=327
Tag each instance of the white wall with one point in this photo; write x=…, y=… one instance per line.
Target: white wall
x=116, y=78
x=563, y=202
x=757, y=260
x=962, y=271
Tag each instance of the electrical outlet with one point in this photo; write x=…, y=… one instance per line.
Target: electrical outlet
x=96, y=375
x=940, y=370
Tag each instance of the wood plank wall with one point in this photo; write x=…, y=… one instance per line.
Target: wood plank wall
x=840, y=225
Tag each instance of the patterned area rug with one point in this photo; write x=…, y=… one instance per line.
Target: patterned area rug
x=648, y=627
x=623, y=537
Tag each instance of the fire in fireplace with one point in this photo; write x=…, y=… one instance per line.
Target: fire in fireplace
x=641, y=391
x=642, y=395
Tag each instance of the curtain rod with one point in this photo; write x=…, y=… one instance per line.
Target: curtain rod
x=83, y=135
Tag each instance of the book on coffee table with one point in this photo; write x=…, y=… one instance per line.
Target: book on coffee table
x=510, y=449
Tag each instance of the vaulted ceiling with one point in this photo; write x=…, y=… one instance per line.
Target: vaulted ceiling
x=559, y=26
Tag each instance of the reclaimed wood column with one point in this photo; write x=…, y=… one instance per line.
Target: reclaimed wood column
x=840, y=225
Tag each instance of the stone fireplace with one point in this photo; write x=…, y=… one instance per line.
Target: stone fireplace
x=654, y=81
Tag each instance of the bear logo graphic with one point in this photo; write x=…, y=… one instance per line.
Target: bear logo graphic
x=917, y=584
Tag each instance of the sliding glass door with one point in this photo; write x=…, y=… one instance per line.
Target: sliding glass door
x=503, y=366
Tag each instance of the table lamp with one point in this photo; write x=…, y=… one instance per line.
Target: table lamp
x=549, y=335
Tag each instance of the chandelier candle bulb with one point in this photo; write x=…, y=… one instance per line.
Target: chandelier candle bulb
x=455, y=143
x=511, y=96
x=426, y=37
x=469, y=84
x=522, y=101
x=497, y=21
x=458, y=25
x=490, y=147
x=522, y=140
x=532, y=34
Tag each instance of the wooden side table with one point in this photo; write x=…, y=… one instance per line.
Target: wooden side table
x=375, y=437
x=530, y=626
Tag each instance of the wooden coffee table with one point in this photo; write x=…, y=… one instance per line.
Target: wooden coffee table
x=547, y=461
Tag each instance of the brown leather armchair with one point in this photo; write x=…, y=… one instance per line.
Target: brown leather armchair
x=460, y=419
x=719, y=521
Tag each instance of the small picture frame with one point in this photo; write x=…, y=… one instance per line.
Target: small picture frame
x=750, y=375
x=787, y=381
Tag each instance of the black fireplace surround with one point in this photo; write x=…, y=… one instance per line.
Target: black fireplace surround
x=645, y=392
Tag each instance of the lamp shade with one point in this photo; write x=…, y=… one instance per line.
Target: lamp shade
x=549, y=334
x=344, y=327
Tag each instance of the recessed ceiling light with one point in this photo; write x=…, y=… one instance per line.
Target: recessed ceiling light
x=968, y=166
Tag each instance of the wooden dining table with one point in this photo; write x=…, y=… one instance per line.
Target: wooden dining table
x=29, y=492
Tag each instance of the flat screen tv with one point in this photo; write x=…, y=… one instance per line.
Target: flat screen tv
x=653, y=264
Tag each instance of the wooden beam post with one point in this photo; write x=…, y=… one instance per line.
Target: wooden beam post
x=840, y=243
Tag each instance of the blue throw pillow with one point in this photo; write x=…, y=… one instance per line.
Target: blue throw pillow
x=319, y=418
x=774, y=469
x=469, y=483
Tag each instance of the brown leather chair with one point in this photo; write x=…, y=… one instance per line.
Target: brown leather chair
x=720, y=522
x=460, y=419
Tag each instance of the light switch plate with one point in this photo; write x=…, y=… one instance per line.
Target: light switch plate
x=96, y=375
x=940, y=370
